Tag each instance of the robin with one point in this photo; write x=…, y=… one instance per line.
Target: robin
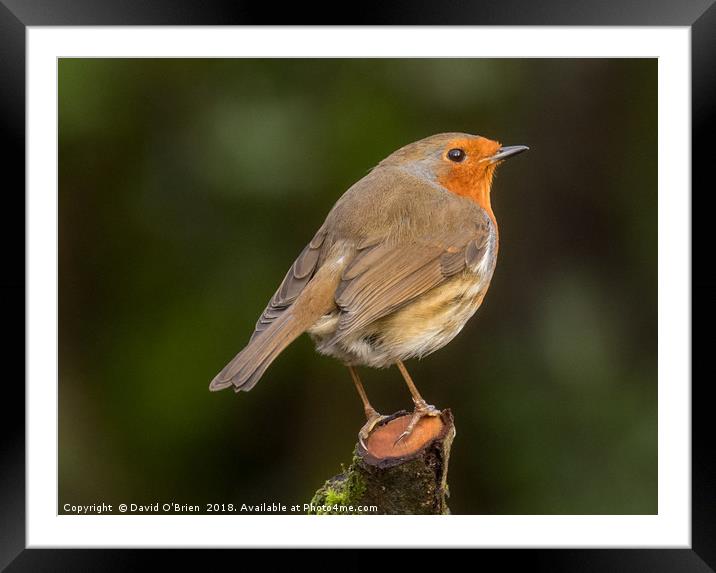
x=402, y=261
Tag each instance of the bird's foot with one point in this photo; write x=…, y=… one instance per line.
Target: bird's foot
x=374, y=418
x=422, y=409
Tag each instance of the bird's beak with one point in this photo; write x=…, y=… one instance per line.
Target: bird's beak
x=506, y=152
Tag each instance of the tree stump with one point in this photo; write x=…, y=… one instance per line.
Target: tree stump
x=407, y=478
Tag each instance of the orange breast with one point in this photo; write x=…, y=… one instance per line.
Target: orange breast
x=473, y=185
x=472, y=178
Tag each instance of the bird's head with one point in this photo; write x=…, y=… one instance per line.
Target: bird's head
x=463, y=164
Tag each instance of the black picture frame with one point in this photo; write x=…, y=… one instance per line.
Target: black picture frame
x=17, y=15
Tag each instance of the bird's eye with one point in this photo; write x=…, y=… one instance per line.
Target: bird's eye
x=456, y=155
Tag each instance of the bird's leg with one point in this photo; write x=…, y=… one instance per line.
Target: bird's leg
x=371, y=414
x=422, y=408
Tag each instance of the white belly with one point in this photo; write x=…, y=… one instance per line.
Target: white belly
x=417, y=329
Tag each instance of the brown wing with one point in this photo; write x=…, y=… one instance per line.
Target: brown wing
x=297, y=277
x=382, y=278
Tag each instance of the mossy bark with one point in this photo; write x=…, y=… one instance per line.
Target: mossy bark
x=413, y=480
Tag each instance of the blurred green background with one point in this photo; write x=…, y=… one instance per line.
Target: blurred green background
x=187, y=188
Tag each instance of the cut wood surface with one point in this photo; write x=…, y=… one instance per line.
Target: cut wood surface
x=409, y=477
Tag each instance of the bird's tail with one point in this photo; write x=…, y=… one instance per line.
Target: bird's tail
x=247, y=367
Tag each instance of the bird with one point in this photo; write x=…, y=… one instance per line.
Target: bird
x=402, y=261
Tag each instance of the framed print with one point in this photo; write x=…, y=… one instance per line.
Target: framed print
x=202, y=190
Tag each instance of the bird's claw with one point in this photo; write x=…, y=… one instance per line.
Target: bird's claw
x=421, y=410
x=374, y=418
